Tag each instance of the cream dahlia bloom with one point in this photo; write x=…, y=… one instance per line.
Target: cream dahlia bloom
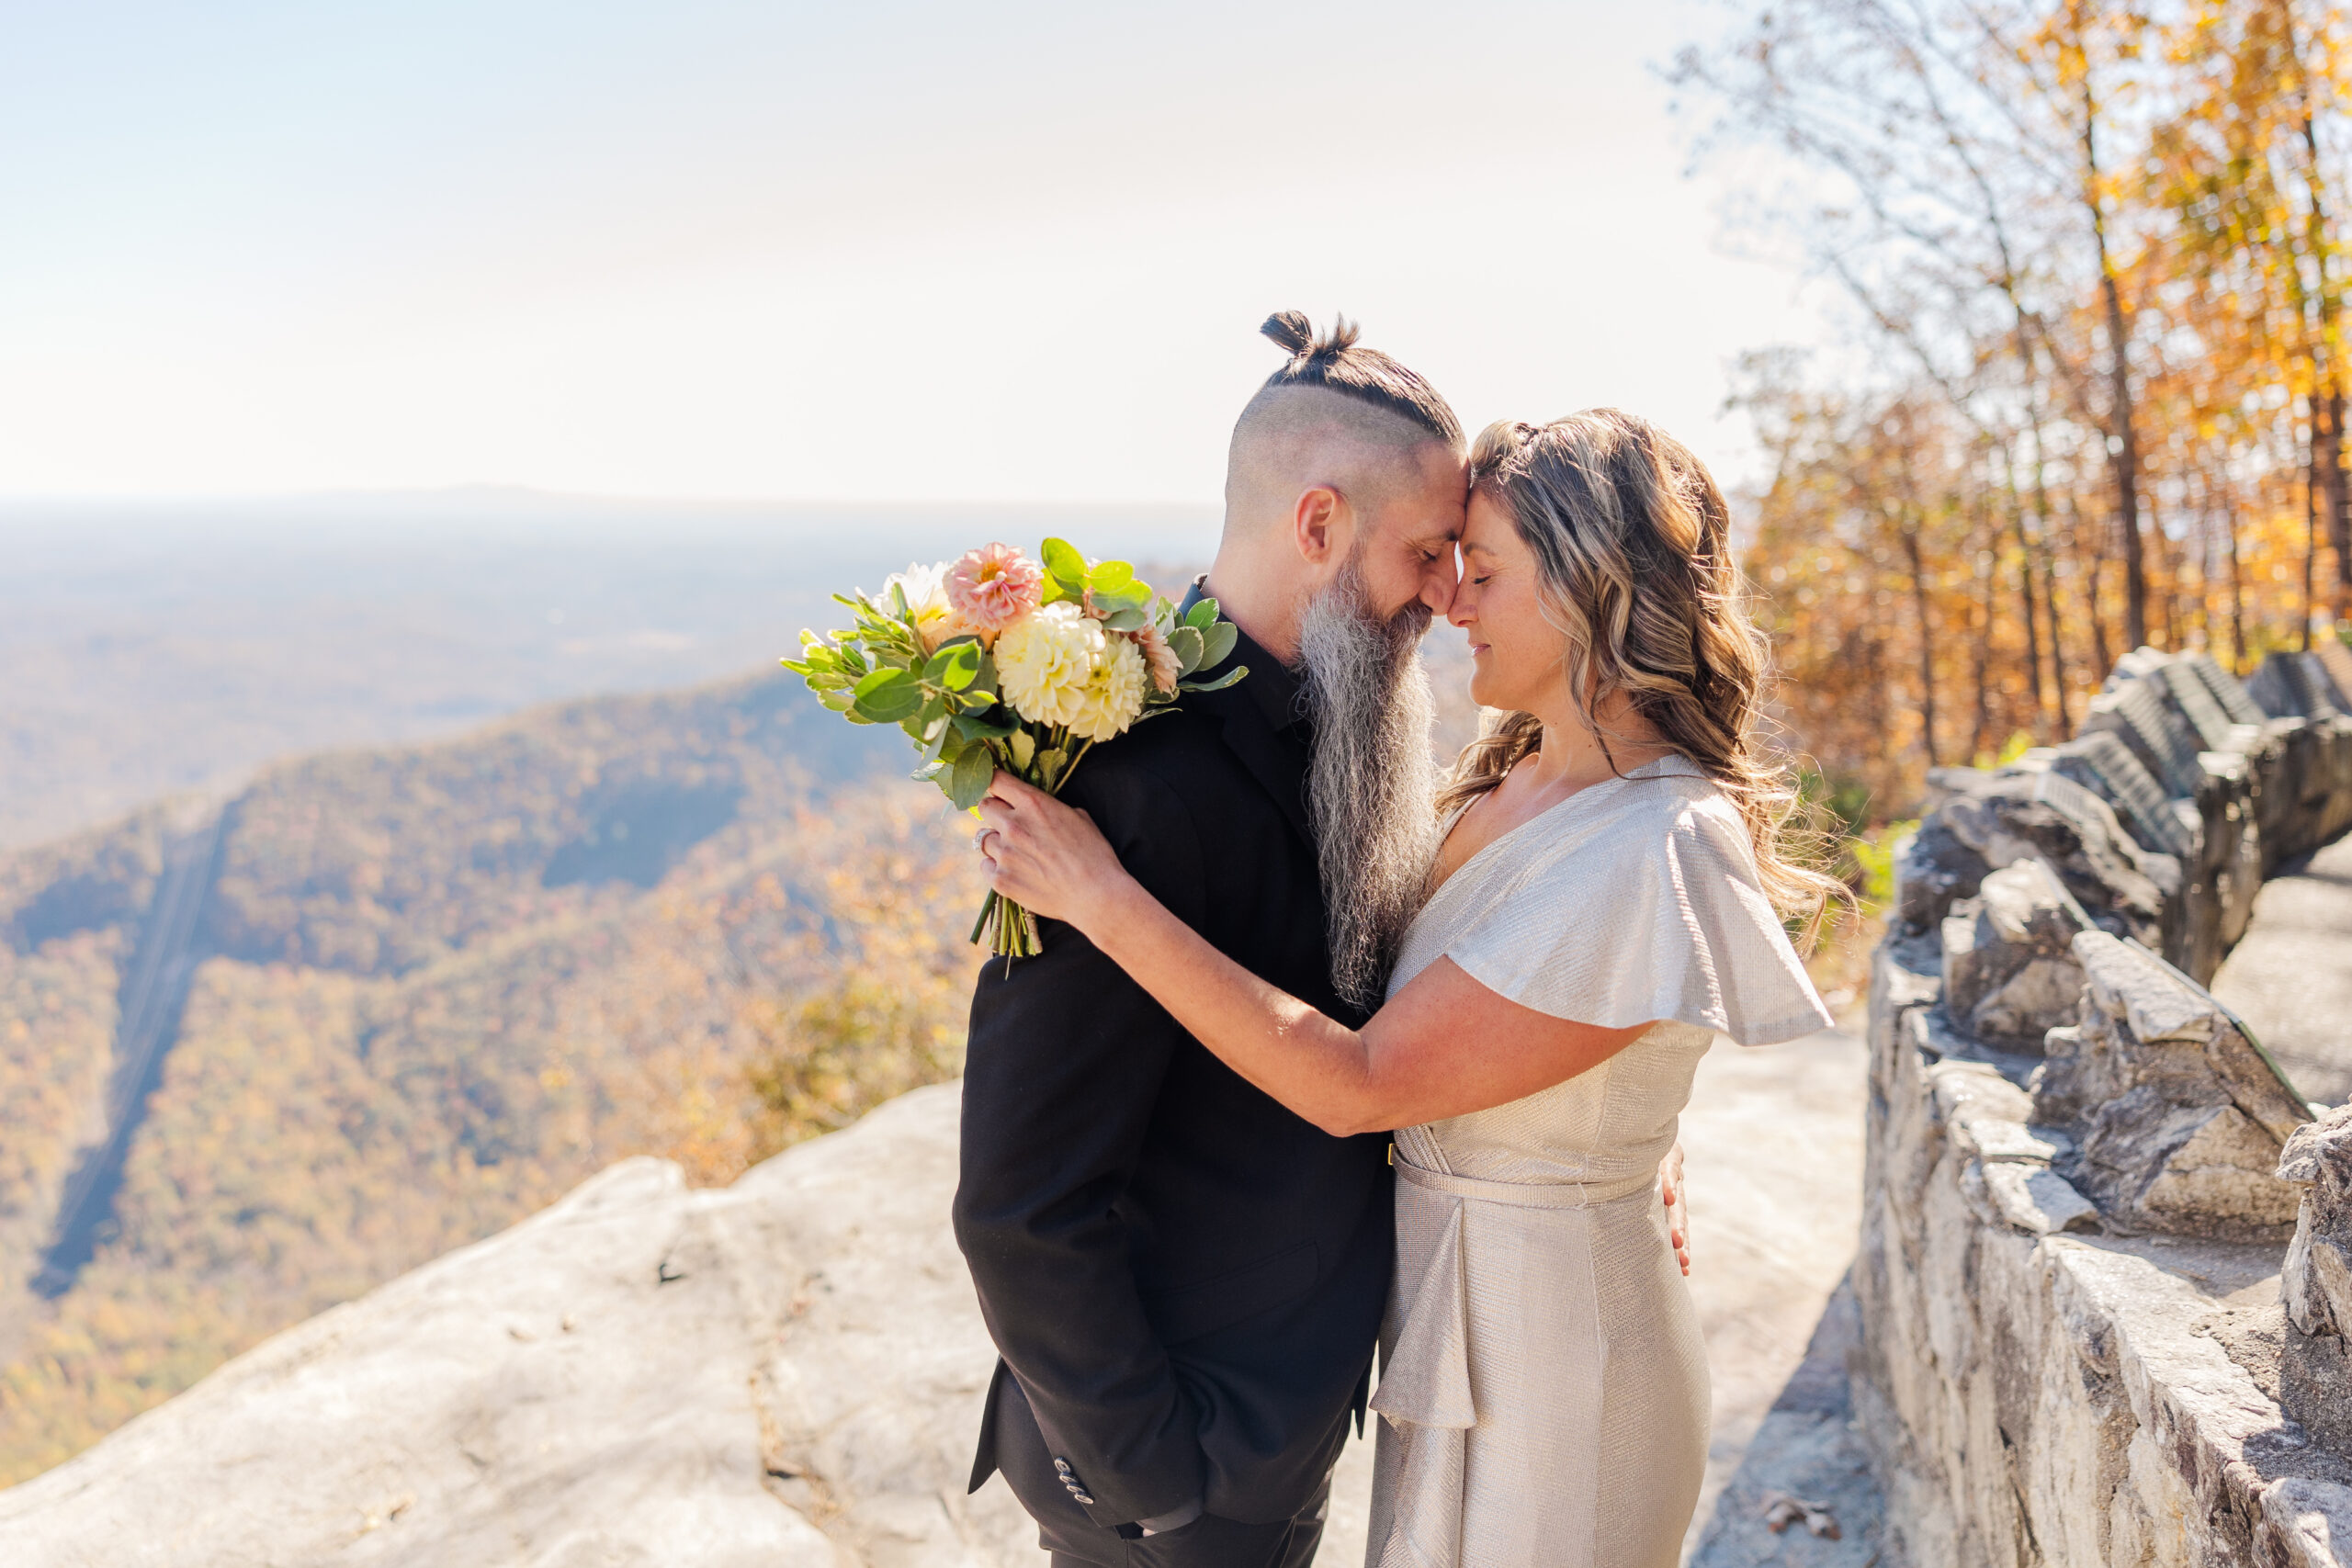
x=1112, y=698
x=1045, y=660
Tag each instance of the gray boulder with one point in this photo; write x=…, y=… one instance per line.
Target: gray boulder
x=2134, y=710
x=2104, y=765
x=2286, y=687
x=1933, y=868
x=2176, y=1117
x=2159, y=707
x=2024, y=813
x=2315, y=1285
x=2302, y=694
x=2009, y=969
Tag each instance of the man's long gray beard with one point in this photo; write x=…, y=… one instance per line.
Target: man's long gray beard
x=1373, y=784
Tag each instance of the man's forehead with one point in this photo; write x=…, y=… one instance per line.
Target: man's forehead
x=1433, y=525
x=1448, y=472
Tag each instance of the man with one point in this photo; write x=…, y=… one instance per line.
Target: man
x=1185, y=1280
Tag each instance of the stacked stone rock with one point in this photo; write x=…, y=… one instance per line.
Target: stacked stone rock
x=2315, y=1373
x=2085, y=1171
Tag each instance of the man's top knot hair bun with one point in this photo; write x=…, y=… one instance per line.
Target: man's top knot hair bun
x=1295, y=334
x=1291, y=331
x=1336, y=362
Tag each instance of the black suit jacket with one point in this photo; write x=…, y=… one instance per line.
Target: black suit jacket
x=1185, y=1279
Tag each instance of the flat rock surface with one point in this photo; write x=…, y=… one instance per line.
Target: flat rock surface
x=781, y=1373
x=2288, y=979
x=787, y=1371
x=1808, y=1450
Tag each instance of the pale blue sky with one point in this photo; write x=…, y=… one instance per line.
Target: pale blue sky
x=902, y=251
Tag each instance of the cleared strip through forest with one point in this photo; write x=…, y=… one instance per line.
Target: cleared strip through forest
x=154, y=990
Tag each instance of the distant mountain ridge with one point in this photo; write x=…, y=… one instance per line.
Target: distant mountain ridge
x=427, y=989
x=148, y=648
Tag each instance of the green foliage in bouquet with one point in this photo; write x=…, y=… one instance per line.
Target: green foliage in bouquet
x=998, y=661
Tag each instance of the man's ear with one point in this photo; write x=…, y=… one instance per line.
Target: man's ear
x=1317, y=523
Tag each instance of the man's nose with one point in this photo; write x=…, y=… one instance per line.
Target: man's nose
x=1438, y=585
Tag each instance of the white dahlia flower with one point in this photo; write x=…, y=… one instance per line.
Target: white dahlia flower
x=1112, y=696
x=926, y=590
x=1045, y=660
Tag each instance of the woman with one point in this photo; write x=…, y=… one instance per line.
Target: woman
x=1609, y=894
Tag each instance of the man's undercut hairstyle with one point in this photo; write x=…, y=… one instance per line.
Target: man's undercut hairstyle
x=1336, y=362
x=1338, y=413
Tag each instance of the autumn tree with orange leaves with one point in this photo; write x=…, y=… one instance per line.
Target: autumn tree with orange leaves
x=2095, y=392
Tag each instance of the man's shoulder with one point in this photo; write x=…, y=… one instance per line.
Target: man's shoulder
x=1175, y=746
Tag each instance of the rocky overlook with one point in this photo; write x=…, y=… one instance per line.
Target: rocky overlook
x=785, y=1371
x=260, y=1058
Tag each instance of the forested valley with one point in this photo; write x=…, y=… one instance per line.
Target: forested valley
x=432, y=989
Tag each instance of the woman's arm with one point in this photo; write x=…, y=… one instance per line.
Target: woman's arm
x=1442, y=1046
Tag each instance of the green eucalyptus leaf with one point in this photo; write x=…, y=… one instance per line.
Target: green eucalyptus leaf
x=980, y=727
x=966, y=782
x=1112, y=595
x=1127, y=618
x=887, y=697
x=1218, y=640
x=1064, y=564
x=1202, y=614
x=954, y=665
x=1219, y=684
x=1189, y=647
x=1024, y=749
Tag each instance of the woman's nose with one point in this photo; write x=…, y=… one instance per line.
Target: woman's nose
x=1462, y=608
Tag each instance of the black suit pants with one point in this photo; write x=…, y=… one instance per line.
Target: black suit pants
x=1077, y=1542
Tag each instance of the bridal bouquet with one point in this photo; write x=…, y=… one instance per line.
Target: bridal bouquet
x=995, y=660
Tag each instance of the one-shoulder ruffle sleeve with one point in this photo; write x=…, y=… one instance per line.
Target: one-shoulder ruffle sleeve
x=1657, y=916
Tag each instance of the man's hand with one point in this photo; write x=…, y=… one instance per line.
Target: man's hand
x=1678, y=1207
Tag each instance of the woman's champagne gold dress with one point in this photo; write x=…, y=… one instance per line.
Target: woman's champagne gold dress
x=1544, y=1388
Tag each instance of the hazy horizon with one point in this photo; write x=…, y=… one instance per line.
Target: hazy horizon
x=180, y=646
x=823, y=253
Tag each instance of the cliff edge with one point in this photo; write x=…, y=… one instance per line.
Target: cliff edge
x=783, y=1373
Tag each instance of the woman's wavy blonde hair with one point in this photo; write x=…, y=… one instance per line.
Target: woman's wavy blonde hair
x=1632, y=540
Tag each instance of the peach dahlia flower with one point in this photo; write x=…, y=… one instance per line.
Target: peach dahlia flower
x=994, y=586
